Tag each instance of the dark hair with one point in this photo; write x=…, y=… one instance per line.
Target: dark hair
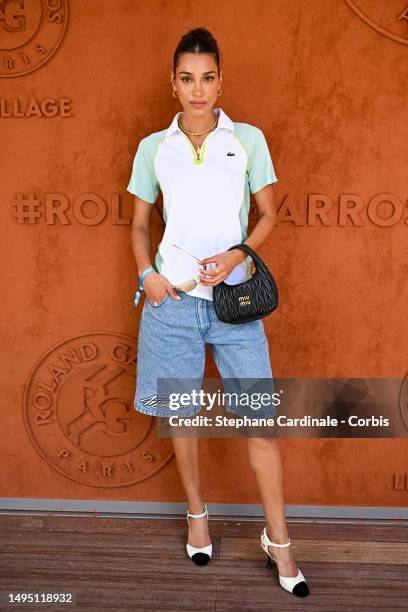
x=199, y=40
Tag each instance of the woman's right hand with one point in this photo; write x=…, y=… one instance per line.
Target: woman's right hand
x=156, y=286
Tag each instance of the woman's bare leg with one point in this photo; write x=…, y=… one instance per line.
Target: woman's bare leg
x=265, y=460
x=187, y=458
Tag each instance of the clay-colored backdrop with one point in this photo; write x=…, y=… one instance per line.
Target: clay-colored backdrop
x=328, y=88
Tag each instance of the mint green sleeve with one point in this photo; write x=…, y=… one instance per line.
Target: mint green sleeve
x=143, y=181
x=260, y=167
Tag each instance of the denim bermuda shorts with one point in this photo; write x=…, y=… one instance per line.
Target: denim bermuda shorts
x=171, y=345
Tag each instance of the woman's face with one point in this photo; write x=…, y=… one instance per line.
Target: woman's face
x=197, y=79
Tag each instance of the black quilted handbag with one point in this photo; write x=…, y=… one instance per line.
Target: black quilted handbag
x=252, y=299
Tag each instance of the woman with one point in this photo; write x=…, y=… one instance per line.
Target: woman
x=206, y=166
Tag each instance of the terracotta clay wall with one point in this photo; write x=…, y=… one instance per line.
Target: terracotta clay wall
x=80, y=84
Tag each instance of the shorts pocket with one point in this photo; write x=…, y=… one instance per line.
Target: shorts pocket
x=166, y=297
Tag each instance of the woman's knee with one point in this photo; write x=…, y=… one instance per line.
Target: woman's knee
x=262, y=443
x=258, y=447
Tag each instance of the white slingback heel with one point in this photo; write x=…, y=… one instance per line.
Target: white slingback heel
x=296, y=585
x=200, y=556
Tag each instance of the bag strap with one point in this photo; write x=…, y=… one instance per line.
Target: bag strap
x=245, y=247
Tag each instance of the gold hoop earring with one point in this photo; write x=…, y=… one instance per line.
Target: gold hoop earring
x=175, y=93
x=220, y=92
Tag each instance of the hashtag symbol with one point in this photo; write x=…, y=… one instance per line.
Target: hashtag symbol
x=26, y=208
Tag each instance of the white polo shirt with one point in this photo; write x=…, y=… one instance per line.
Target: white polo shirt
x=206, y=200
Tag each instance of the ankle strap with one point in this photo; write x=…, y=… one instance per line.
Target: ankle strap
x=189, y=515
x=269, y=543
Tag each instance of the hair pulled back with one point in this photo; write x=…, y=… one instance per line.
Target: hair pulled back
x=198, y=40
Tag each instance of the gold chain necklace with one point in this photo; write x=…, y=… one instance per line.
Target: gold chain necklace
x=187, y=132
x=197, y=133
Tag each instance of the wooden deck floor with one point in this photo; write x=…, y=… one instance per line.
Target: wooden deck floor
x=141, y=564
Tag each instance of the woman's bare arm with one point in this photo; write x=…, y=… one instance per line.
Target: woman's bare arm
x=141, y=242
x=228, y=260
x=155, y=285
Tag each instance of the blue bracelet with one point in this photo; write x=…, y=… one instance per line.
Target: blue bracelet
x=142, y=276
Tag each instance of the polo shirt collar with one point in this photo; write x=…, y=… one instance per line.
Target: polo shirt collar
x=223, y=122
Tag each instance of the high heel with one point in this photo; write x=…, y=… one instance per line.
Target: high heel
x=296, y=585
x=200, y=556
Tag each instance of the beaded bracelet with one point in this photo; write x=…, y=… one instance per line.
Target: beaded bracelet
x=142, y=276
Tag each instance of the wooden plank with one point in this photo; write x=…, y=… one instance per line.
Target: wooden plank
x=77, y=564
x=322, y=593
x=392, y=531
x=138, y=545
x=349, y=551
x=106, y=595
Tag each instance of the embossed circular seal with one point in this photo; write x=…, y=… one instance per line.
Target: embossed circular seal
x=79, y=413
x=388, y=18
x=30, y=33
x=403, y=400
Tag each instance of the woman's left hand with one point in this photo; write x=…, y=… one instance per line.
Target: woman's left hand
x=225, y=263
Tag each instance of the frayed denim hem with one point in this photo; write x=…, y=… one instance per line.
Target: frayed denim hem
x=162, y=412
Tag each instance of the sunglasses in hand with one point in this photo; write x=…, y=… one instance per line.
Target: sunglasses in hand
x=192, y=283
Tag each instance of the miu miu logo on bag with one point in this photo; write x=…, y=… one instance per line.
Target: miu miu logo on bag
x=244, y=300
